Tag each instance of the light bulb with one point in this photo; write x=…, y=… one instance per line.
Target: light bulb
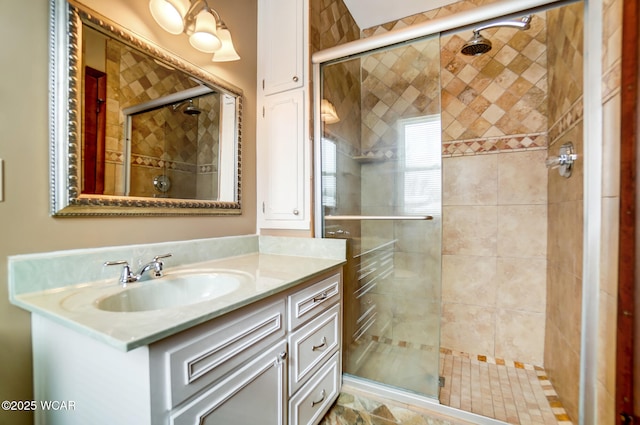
x=227, y=52
x=204, y=37
x=169, y=14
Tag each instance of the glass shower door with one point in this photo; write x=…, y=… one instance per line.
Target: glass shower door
x=381, y=190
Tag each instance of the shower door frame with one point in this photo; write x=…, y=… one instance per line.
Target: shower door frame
x=592, y=176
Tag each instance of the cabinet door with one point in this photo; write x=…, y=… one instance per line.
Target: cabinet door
x=193, y=360
x=255, y=394
x=282, y=157
x=281, y=47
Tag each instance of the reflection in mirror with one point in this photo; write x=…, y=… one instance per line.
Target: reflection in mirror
x=156, y=136
x=173, y=146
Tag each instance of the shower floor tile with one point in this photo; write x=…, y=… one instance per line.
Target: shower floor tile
x=511, y=392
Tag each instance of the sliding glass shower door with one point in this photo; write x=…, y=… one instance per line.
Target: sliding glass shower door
x=381, y=190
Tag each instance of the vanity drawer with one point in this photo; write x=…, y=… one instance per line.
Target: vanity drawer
x=311, y=345
x=309, y=405
x=310, y=301
x=200, y=357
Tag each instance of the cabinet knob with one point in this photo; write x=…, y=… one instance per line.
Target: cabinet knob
x=296, y=212
x=295, y=78
x=280, y=358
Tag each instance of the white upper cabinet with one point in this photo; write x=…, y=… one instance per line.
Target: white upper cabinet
x=281, y=45
x=283, y=142
x=282, y=154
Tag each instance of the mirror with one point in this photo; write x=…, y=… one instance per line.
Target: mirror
x=135, y=130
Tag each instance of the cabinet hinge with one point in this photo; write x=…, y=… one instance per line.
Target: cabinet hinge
x=263, y=112
x=263, y=84
x=263, y=208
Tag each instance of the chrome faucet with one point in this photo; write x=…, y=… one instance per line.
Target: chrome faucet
x=127, y=276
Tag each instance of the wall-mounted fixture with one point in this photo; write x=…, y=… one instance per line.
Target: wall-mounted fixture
x=479, y=45
x=206, y=30
x=564, y=161
x=328, y=112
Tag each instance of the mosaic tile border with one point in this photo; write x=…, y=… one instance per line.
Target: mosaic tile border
x=611, y=81
x=569, y=120
x=481, y=146
x=403, y=344
x=151, y=162
x=114, y=157
x=147, y=161
x=515, y=143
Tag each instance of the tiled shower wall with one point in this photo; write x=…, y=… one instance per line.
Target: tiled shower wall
x=494, y=186
x=397, y=84
x=332, y=25
x=494, y=194
x=139, y=79
x=565, y=220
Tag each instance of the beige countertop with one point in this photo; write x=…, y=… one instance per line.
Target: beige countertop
x=75, y=306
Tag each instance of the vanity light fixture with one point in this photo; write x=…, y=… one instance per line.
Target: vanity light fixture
x=206, y=30
x=328, y=112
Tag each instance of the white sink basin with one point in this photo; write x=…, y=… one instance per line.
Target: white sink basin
x=179, y=289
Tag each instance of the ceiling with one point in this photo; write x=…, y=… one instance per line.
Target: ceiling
x=369, y=13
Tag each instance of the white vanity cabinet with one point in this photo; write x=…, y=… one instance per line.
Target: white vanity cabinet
x=208, y=373
x=283, y=131
x=273, y=362
x=315, y=339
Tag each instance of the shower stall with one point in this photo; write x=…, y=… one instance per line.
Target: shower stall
x=430, y=148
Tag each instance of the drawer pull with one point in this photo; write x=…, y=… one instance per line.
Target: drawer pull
x=322, y=396
x=320, y=297
x=317, y=347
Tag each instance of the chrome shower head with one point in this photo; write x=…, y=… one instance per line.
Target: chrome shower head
x=191, y=109
x=479, y=45
x=476, y=46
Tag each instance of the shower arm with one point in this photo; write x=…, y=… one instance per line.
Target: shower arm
x=522, y=24
x=175, y=106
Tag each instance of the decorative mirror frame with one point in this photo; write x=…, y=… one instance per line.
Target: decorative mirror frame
x=65, y=75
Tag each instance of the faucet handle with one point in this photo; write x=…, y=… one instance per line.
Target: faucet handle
x=157, y=257
x=126, y=276
x=157, y=270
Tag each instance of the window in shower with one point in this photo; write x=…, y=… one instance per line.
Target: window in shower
x=329, y=177
x=420, y=153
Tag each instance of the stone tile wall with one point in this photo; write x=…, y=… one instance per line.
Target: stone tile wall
x=133, y=78
x=494, y=119
x=499, y=267
x=565, y=219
